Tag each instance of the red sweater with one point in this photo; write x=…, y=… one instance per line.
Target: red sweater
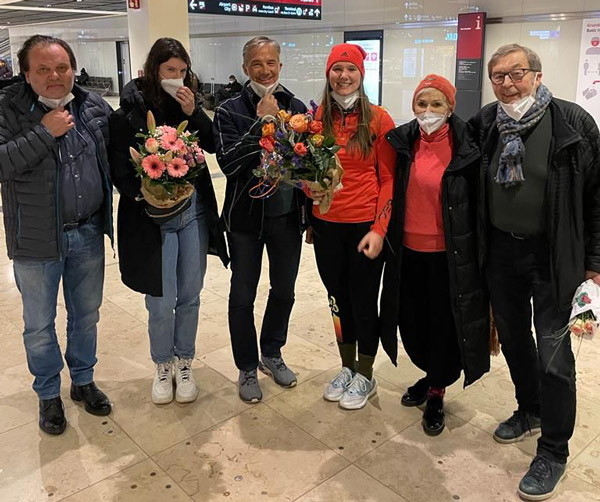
x=368, y=183
x=423, y=224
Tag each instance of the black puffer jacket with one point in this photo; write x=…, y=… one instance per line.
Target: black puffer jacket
x=572, y=192
x=139, y=238
x=469, y=299
x=237, y=131
x=29, y=171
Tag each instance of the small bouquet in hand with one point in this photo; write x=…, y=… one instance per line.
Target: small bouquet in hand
x=296, y=153
x=585, y=314
x=166, y=161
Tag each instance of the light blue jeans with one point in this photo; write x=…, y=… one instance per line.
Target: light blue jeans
x=173, y=317
x=82, y=272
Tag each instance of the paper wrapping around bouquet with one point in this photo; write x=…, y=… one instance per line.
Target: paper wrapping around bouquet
x=333, y=180
x=162, y=205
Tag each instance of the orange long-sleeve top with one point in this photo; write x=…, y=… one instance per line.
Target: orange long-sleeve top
x=423, y=223
x=368, y=182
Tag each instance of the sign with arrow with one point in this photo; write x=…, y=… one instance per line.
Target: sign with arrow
x=290, y=9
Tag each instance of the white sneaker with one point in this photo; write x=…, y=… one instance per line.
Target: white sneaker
x=162, y=387
x=335, y=389
x=184, y=379
x=358, y=392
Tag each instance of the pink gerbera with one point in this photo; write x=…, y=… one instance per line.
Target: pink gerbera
x=153, y=166
x=177, y=168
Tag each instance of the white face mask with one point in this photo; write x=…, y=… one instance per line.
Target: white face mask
x=346, y=102
x=171, y=85
x=261, y=90
x=431, y=122
x=55, y=103
x=518, y=109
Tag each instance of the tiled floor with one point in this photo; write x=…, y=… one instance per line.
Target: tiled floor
x=292, y=447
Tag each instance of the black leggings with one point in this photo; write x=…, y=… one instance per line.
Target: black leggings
x=426, y=321
x=352, y=281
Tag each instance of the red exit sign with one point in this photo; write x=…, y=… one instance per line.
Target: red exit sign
x=134, y=4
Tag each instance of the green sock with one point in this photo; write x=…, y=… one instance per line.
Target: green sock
x=348, y=355
x=365, y=365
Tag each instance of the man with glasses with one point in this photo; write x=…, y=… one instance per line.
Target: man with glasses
x=541, y=183
x=57, y=205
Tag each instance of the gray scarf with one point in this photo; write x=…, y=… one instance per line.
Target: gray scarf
x=510, y=165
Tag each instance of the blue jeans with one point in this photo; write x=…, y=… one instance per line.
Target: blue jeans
x=173, y=317
x=82, y=272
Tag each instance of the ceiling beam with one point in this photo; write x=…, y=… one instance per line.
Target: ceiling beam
x=64, y=11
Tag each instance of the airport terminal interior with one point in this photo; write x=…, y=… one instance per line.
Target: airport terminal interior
x=294, y=445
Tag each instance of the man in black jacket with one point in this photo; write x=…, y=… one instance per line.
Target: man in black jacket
x=275, y=222
x=57, y=205
x=541, y=213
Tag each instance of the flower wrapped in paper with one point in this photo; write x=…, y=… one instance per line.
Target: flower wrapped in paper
x=297, y=154
x=167, y=160
x=585, y=313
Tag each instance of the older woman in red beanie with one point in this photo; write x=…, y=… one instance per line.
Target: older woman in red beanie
x=433, y=290
x=349, y=238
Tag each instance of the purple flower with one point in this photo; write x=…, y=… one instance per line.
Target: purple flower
x=280, y=134
x=314, y=106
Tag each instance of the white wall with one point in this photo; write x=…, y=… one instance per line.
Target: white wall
x=559, y=53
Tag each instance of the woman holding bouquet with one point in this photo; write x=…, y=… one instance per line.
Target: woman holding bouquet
x=348, y=238
x=165, y=257
x=432, y=283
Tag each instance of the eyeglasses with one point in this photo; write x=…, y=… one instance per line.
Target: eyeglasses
x=515, y=75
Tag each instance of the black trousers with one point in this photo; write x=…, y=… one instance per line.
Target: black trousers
x=283, y=241
x=352, y=281
x=425, y=317
x=544, y=377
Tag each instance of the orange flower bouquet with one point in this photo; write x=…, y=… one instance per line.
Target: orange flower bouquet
x=297, y=154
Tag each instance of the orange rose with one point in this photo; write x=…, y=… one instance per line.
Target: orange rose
x=298, y=123
x=589, y=326
x=315, y=127
x=577, y=328
x=285, y=116
x=317, y=139
x=268, y=143
x=268, y=129
x=300, y=149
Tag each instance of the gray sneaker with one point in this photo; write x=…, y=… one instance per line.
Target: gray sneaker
x=248, y=387
x=517, y=427
x=276, y=368
x=358, y=392
x=336, y=388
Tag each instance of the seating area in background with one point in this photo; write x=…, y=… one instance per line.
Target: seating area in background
x=100, y=85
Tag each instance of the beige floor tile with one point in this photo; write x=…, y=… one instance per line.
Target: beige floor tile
x=144, y=482
x=155, y=428
x=213, y=328
x=37, y=465
x=316, y=327
x=305, y=359
x=572, y=489
x=258, y=455
x=7, y=278
x=586, y=465
x=351, y=433
x=351, y=485
x=587, y=353
x=12, y=351
x=491, y=400
x=18, y=402
x=460, y=464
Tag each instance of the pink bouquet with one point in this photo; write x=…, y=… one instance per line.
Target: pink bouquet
x=167, y=160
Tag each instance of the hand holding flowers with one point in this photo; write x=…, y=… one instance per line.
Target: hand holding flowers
x=167, y=160
x=296, y=153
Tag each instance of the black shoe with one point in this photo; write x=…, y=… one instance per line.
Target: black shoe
x=417, y=394
x=433, y=417
x=516, y=427
x=95, y=400
x=52, y=416
x=541, y=479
